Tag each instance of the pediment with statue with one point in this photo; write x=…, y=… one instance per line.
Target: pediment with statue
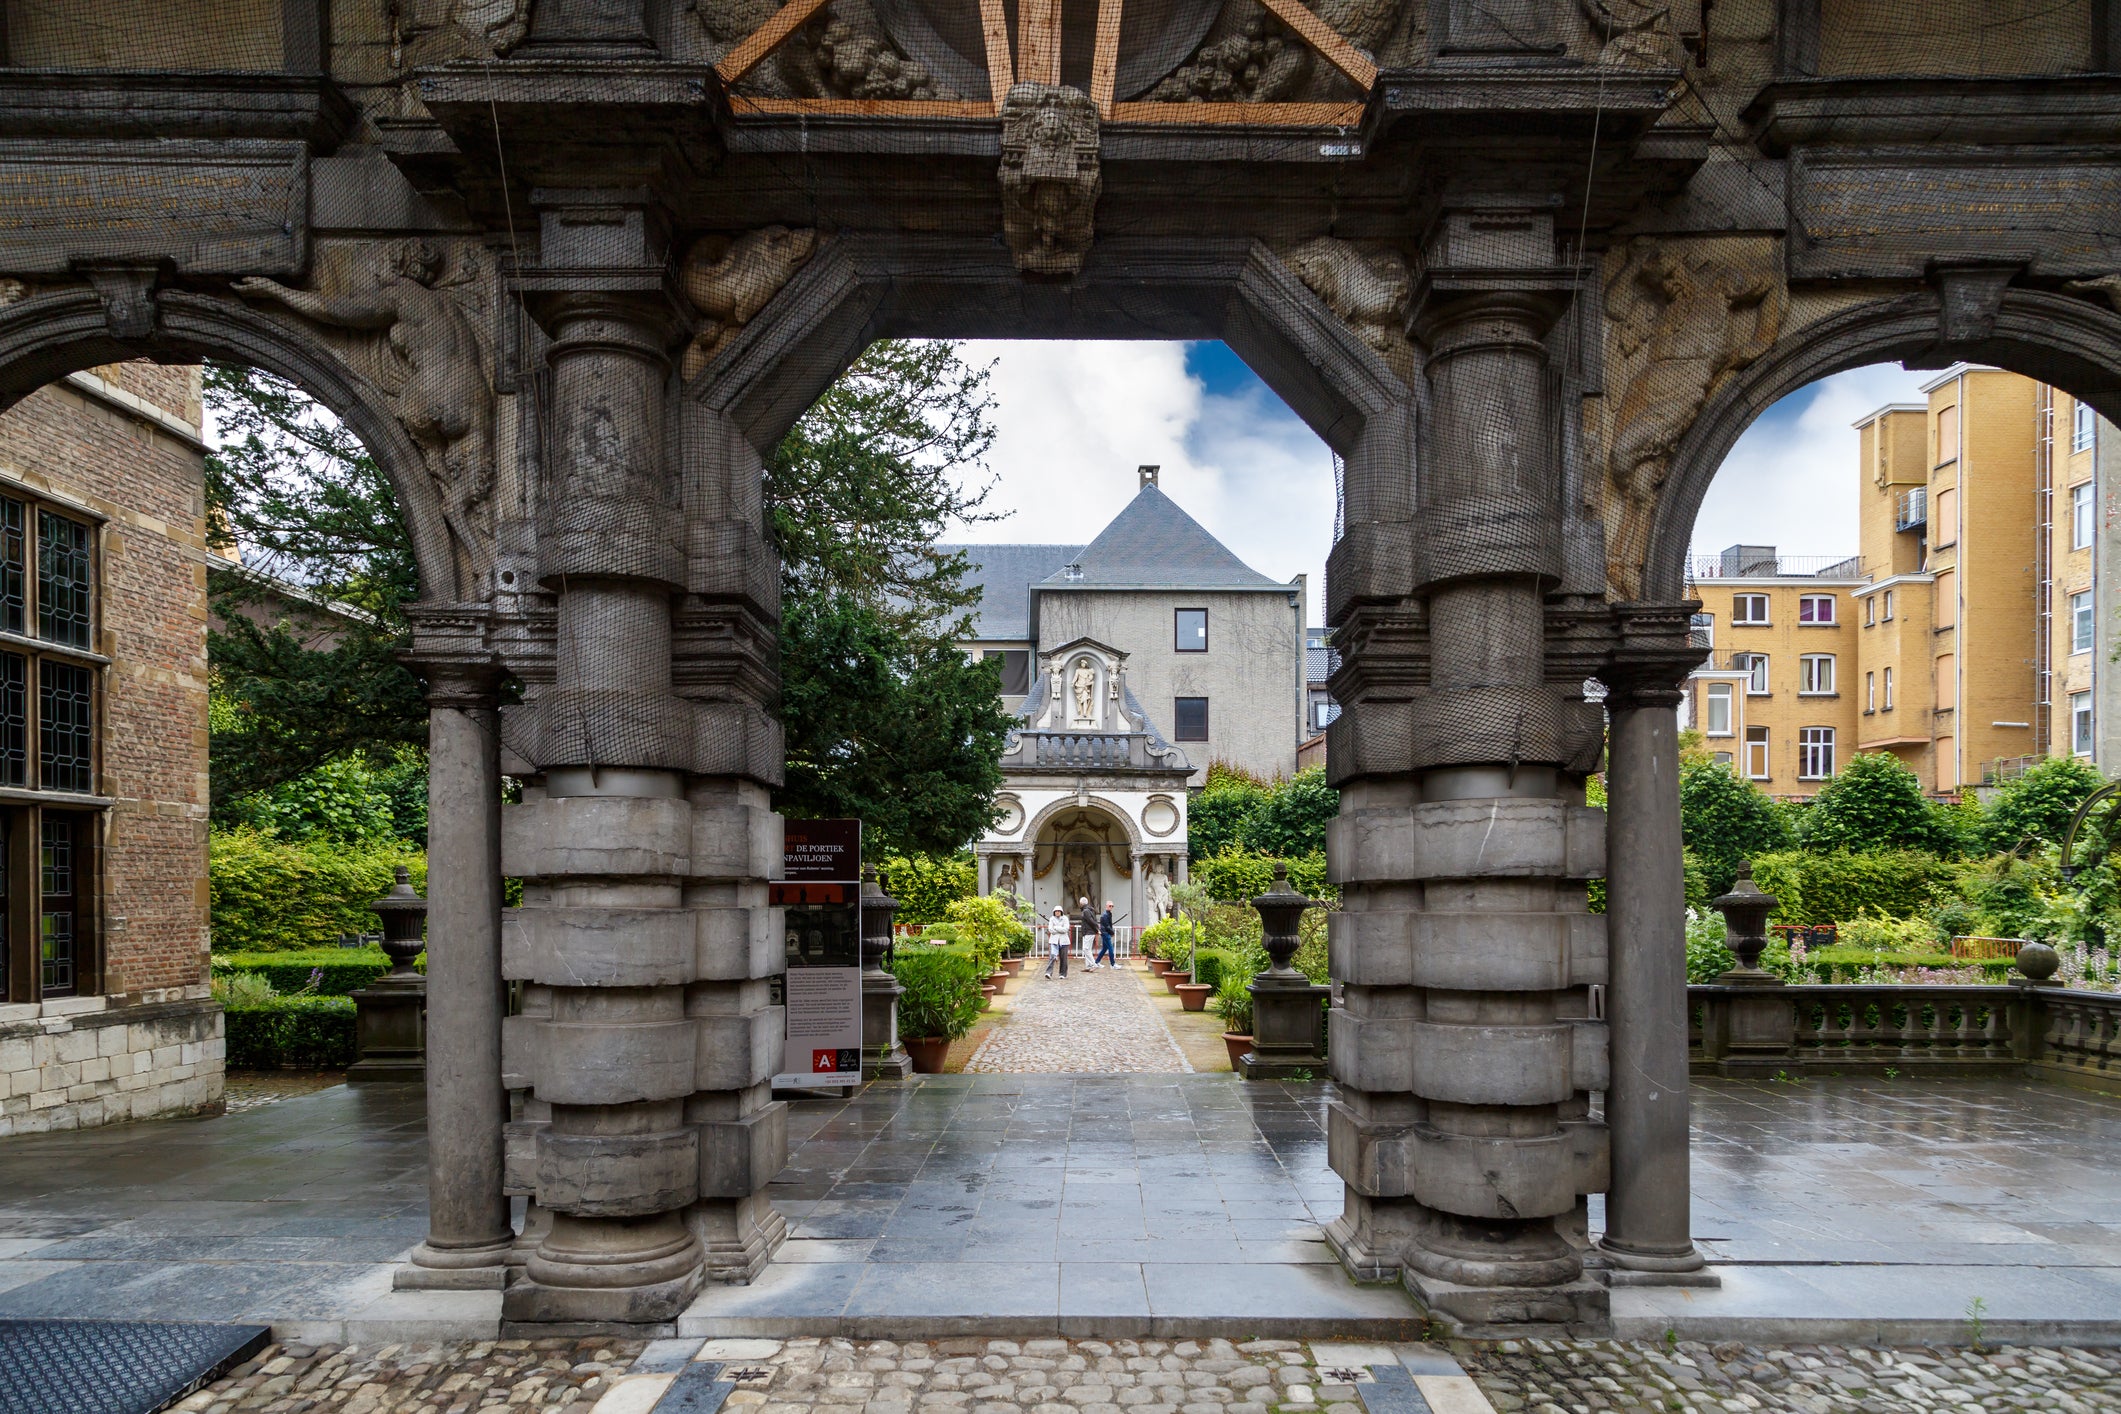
x=1081, y=715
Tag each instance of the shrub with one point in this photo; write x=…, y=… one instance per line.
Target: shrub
x=1725, y=821
x=2037, y=806
x=1708, y=955
x=1292, y=819
x=942, y=991
x=1876, y=803
x=990, y=924
x=1310, y=956
x=925, y=885
x=1827, y=888
x=1239, y=875
x=271, y=895
x=1216, y=818
x=292, y=1033
x=1211, y=965
x=1233, y=1003
x=1158, y=936
x=1871, y=934
x=329, y=972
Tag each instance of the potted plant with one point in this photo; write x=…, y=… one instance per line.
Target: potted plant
x=940, y=1003
x=1233, y=1003
x=1193, y=996
x=1154, y=939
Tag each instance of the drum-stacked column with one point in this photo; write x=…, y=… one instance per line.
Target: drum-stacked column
x=643, y=843
x=1463, y=847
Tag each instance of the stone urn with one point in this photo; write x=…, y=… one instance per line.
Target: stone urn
x=1193, y=996
x=390, y=1013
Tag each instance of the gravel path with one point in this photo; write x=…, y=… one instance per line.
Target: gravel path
x=1093, y=1022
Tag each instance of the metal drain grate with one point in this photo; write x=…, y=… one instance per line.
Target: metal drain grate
x=113, y=1367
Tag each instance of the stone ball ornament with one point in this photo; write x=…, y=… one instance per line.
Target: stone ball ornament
x=2037, y=962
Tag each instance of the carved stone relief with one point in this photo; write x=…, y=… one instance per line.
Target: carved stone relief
x=408, y=315
x=1367, y=289
x=843, y=53
x=1634, y=32
x=728, y=281
x=1682, y=316
x=1251, y=57
x=1050, y=177
x=436, y=31
x=2106, y=287
x=12, y=291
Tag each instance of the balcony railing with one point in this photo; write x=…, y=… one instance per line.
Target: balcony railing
x=1765, y=1031
x=1912, y=509
x=1777, y=567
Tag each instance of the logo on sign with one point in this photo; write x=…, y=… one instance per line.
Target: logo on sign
x=824, y=1062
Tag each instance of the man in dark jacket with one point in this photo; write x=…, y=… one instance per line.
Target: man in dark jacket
x=1086, y=921
x=1104, y=938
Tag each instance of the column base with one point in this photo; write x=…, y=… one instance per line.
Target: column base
x=1368, y=1254
x=892, y=1065
x=608, y=1272
x=1254, y=1066
x=455, y=1268
x=1625, y=1268
x=1580, y=1309
x=738, y=1235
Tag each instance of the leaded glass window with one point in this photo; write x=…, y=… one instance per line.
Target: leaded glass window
x=66, y=727
x=14, y=567
x=63, y=572
x=56, y=922
x=14, y=720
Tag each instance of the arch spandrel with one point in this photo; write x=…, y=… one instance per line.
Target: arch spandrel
x=57, y=328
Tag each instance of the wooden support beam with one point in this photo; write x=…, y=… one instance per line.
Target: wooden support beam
x=1038, y=41
x=1257, y=115
x=765, y=39
x=1326, y=40
x=1104, y=63
x=1001, y=69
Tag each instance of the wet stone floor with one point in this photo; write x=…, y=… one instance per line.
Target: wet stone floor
x=975, y=1376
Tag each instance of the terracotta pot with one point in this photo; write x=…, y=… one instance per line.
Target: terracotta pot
x=1193, y=996
x=1158, y=966
x=1173, y=980
x=928, y=1052
x=1012, y=965
x=1239, y=1046
x=986, y=995
x=998, y=981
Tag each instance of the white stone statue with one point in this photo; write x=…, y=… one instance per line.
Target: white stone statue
x=1156, y=885
x=1085, y=692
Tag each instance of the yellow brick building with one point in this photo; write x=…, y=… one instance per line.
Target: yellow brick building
x=1967, y=634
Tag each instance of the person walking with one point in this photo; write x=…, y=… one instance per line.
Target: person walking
x=1087, y=921
x=1104, y=938
x=1057, y=942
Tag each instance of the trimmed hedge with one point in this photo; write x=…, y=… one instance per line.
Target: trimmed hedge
x=1844, y=964
x=292, y=1033
x=1832, y=888
x=942, y=996
x=343, y=971
x=272, y=895
x=1211, y=964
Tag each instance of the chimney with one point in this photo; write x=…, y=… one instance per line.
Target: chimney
x=1147, y=475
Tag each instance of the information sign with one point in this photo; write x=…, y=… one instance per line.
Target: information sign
x=822, y=992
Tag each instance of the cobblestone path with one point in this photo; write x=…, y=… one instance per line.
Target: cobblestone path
x=1094, y=1022
x=979, y=1376
x=1563, y=1377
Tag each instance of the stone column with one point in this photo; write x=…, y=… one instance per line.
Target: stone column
x=468, y=1228
x=1463, y=843
x=1648, y=1206
x=645, y=847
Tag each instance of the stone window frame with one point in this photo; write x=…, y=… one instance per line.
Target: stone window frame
x=27, y=806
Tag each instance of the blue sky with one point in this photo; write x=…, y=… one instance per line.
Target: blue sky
x=1075, y=419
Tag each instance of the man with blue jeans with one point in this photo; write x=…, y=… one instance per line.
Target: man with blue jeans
x=1104, y=938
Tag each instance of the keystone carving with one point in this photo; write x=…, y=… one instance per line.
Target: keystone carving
x=1634, y=33
x=1684, y=316
x=729, y=281
x=1367, y=290
x=1050, y=177
x=2106, y=287
x=436, y=374
x=12, y=291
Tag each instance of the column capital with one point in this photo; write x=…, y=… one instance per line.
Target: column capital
x=462, y=686
x=1653, y=651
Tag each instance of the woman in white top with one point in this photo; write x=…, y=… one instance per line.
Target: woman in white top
x=1057, y=942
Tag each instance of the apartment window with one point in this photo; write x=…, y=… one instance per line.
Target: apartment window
x=1947, y=435
x=1815, y=753
x=1749, y=608
x=2083, y=427
x=1870, y=610
x=1189, y=718
x=1189, y=630
x=1721, y=758
x=1324, y=713
x=2080, y=719
x=1815, y=609
x=1016, y=670
x=1817, y=675
x=1717, y=712
x=1701, y=630
x=2080, y=515
x=1756, y=753
x=1755, y=668
x=1870, y=692
x=1888, y=690
x=2080, y=621
x=1885, y=613
x=1944, y=517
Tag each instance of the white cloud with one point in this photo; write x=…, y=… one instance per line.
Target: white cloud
x=1076, y=419
x=1791, y=481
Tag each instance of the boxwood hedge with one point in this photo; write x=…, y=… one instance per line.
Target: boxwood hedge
x=292, y=1033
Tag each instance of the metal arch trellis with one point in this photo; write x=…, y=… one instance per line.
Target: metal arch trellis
x=2108, y=795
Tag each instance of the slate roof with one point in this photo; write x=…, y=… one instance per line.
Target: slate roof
x=1152, y=544
x=1004, y=575
x=1319, y=663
